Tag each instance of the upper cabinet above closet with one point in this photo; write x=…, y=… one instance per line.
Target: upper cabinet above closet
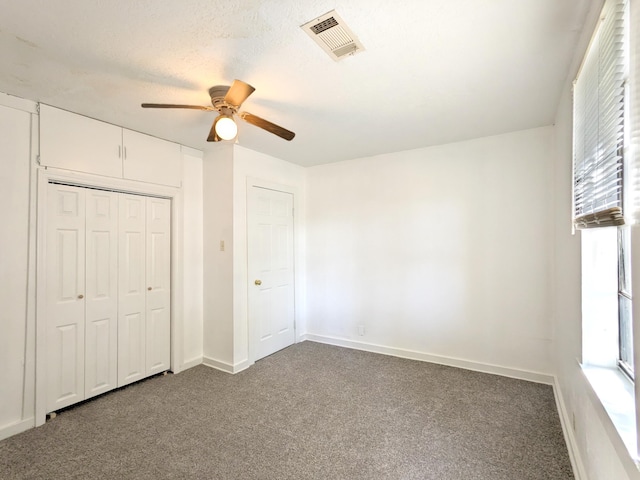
x=79, y=143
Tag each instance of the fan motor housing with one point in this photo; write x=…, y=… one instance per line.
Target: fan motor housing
x=217, y=95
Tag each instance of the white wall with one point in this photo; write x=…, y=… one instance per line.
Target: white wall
x=227, y=168
x=193, y=257
x=16, y=373
x=443, y=251
x=249, y=164
x=218, y=265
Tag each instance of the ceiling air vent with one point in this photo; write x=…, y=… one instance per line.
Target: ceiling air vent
x=334, y=37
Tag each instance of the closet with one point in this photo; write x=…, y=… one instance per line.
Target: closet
x=107, y=291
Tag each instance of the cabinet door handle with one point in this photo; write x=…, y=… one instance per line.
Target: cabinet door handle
x=125, y=152
x=119, y=151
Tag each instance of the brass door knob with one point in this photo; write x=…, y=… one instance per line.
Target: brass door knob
x=258, y=282
x=148, y=288
x=80, y=296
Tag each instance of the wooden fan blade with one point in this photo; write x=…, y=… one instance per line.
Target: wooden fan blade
x=238, y=93
x=213, y=136
x=267, y=125
x=169, y=105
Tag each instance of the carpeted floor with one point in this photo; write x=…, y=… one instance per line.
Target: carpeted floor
x=311, y=411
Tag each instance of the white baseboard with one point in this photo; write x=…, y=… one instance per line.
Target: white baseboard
x=567, y=430
x=15, y=428
x=225, y=366
x=431, y=358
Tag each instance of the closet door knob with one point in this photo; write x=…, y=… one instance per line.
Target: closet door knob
x=148, y=288
x=80, y=296
x=258, y=282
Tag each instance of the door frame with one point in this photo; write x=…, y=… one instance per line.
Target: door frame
x=46, y=175
x=297, y=261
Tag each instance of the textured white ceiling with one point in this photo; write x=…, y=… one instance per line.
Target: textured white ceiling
x=434, y=71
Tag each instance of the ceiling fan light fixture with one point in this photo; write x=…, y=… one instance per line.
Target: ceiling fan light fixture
x=226, y=127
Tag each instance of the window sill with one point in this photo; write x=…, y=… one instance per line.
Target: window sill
x=615, y=393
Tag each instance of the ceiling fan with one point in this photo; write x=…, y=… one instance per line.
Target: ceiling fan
x=227, y=100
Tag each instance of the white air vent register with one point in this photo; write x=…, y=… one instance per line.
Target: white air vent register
x=334, y=37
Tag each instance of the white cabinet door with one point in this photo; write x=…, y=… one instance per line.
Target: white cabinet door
x=150, y=159
x=158, y=285
x=132, y=289
x=74, y=142
x=101, y=298
x=65, y=280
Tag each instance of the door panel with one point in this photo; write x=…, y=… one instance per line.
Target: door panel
x=65, y=280
x=270, y=244
x=101, y=320
x=131, y=289
x=131, y=347
x=158, y=275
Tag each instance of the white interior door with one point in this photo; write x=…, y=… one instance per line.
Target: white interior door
x=131, y=289
x=271, y=278
x=101, y=297
x=65, y=287
x=158, y=275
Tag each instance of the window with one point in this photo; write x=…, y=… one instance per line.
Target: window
x=625, y=332
x=599, y=181
x=606, y=187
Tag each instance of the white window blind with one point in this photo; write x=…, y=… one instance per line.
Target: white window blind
x=599, y=125
x=632, y=165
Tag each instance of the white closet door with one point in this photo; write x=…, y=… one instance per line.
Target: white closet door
x=65, y=250
x=132, y=289
x=101, y=319
x=158, y=285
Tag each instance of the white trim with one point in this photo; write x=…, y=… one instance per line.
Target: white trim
x=194, y=362
x=44, y=176
x=177, y=282
x=431, y=358
x=192, y=152
x=15, y=428
x=567, y=430
x=18, y=103
x=225, y=366
x=29, y=381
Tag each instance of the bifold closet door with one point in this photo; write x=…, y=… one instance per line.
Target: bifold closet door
x=82, y=255
x=144, y=311
x=132, y=289
x=65, y=324
x=158, y=274
x=101, y=297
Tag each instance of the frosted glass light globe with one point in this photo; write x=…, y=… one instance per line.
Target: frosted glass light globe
x=226, y=128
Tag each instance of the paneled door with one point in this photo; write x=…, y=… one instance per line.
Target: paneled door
x=108, y=296
x=101, y=292
x=144, y=317
x=132, y=289
x=65, y=287
x=158, y=275
x=271, y=274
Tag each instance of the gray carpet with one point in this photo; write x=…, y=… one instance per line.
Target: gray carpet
x=311, y=411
